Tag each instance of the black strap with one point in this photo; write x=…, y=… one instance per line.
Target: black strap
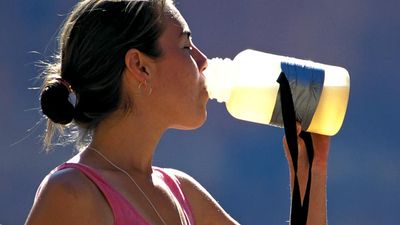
x=299, y=211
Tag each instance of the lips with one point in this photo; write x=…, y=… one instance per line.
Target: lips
x=203, y=85
x=203, y=90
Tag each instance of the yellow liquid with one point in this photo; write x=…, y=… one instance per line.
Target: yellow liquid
x=256, y=104
x=330, y=112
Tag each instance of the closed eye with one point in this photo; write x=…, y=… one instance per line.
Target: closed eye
x=186, y=34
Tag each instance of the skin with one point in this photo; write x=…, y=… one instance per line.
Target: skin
x=178, y=100
x=317, y=213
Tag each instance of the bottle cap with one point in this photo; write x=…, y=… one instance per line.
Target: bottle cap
x=220, y=78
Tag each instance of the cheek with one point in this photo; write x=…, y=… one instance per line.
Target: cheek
x=170, y=90
x=182, y=81
x=178, y=78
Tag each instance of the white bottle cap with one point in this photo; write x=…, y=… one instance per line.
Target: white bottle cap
x=220, y=78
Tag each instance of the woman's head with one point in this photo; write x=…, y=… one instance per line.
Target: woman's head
x=179, y=94
x=91, y=60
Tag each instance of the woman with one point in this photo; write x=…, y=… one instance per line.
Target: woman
x=135, y=73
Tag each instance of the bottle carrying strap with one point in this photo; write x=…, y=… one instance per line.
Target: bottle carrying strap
x=299, y=211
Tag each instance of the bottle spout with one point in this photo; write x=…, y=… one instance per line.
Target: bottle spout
x=219, y=78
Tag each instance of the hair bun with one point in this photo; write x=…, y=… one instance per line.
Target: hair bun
x=55, y=102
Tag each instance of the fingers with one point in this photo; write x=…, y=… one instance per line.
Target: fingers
x=321, y=145
x=302, y=151
x=298, y=128
x=321, y=139
x=300, y=142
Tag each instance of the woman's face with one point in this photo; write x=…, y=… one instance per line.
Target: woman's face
x=178, y=84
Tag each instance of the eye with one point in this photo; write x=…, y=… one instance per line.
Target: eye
x=190, y=48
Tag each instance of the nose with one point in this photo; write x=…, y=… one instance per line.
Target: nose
x=200, y=58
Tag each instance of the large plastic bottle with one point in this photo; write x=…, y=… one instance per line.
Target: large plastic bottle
x=248, y=85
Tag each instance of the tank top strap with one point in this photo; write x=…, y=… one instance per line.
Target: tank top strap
x=174, y=185
x=124, y=213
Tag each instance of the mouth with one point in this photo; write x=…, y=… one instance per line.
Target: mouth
x=204, y=91
x=203, y=85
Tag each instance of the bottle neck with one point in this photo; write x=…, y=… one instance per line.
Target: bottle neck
x=220, y=78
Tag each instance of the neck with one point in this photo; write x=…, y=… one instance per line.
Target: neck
x=129, y=142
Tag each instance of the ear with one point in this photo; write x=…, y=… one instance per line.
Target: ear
x=138, y=64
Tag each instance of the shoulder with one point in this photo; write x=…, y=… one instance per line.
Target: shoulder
x=66, y=197
x=205, y=208
x=190, y=186
x=184, y=179
x=67, y=183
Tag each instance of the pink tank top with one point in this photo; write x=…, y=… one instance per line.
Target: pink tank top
x=124, y=213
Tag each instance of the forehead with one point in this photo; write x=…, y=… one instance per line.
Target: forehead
x=174, y=20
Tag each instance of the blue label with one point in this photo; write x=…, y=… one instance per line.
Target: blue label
x=306, y=84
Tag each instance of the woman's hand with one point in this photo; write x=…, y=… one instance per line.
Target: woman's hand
x=321, y=151
x=317, y=207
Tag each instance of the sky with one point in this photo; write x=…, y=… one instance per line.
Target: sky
x=241, y=164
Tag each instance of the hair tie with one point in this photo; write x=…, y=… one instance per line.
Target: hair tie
x=63, y=82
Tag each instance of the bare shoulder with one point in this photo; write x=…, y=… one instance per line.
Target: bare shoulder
x=185, y=179
x=205, y=208
x=68, y=197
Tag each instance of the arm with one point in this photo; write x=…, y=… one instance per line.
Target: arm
x=67, y=197
x=205, y=208
x=317, y=214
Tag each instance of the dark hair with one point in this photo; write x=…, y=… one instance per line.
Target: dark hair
x=92, y=47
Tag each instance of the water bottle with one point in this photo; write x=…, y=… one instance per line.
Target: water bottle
x=248, y=86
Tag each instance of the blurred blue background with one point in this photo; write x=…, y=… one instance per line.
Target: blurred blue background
x=241, y=164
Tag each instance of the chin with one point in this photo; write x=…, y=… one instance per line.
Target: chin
x=194, y=124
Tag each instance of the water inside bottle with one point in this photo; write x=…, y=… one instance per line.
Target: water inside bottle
x=330, y=112
x=254, y=104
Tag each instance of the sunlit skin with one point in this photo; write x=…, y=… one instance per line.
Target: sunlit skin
x=178, y=99
x=179, y=94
